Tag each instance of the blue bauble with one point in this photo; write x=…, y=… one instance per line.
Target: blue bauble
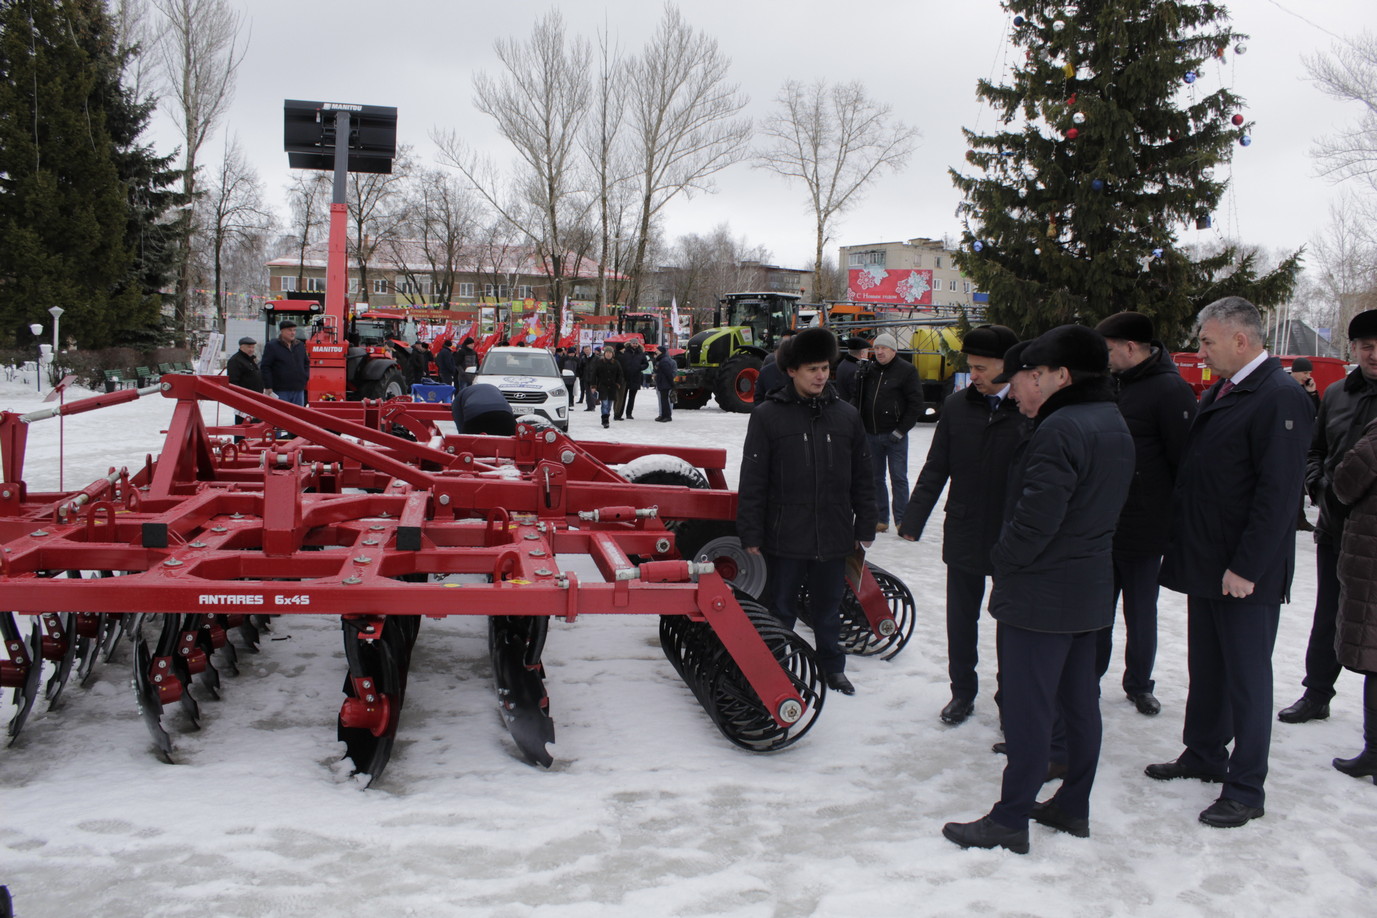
x=977, y=245
x=1097, y=185
x=1190, y=76
x=1245, y=141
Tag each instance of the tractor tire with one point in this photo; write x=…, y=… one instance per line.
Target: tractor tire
x=691, y=399
x=390, y=385
x=735, y=389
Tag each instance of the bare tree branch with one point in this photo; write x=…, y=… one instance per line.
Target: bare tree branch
x=835, y=140
x=1350, y=75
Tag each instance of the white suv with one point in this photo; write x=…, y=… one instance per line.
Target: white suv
x=530, y=381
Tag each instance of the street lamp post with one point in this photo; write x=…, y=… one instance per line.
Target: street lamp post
x=37, y=330
x=56, y=312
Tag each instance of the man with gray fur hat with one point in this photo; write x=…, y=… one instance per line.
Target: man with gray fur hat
x=977, y=433
x=1054, y=580
x=806, y=498
x=890, y=397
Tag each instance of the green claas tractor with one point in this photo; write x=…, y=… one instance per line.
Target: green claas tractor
x=724, y=361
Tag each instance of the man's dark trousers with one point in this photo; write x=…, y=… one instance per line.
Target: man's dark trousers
x=1136, y=579
x=826, y=582
x=1321, y=660
x=1230, y=667
x=965, y=590
x=1046, y=676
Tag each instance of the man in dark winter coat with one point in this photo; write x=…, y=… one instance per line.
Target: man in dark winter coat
x=973, y=445
x=445, y=363
x=418, y=363
x=606, y=377
x=850, y=367
x=1158, y=406
x=771, y=373
x=1054, y=581
x=1345, y=411
x=286, y=368
x=665, y=371
x=632, y=360
x=242, y=367
x=805, y=498
x=585, y=357
x=466, y=364
x=890, y=398
x=482, y=409
x=1231, y=551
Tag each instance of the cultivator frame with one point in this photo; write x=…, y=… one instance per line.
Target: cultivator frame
x=327, y=511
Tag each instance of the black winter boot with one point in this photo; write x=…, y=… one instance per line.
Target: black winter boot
x=1364, y=765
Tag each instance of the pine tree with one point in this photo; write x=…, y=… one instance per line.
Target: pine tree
x=69, y=164
x=1110, y=143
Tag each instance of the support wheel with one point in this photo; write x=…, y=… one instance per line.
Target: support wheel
x=735, y=389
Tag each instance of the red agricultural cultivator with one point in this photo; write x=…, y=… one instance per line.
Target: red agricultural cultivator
x=367, y=512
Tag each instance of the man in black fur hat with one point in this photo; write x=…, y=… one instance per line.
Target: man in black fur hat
x=973, y=446
x=1054, y=581
x=806, y=496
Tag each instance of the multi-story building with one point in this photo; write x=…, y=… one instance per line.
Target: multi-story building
x=919, y=272
x=404, y=274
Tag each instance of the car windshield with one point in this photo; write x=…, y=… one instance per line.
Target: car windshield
x=531, y=363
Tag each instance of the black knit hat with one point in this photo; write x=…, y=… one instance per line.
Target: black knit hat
x=1013, y=361
x=855, y=344
x=1302, y=365
x=1364, y=325
x=812, y=345
x=1127, y=326
x=988, y=341
x=1072, y=346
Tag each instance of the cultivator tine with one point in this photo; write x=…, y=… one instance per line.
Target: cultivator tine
x=91, y=628
x=59, y=646
x=23, y=670
x=516, y=643
x=720, y=686
x=374, y=685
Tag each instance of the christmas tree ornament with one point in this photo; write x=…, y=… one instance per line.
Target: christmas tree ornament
x=977, y=245
x=1097, y=184
x=1203, y=221
x=1073, y=133
x=1037, y=251
x=1018, y=22
x=1240, y=48
x=1245, y=141
x=1207, y=173
x=1190, y=76
x=1058, y=25
x=1237, y=120
x=1069, y=70
x=1078, y=117
x=1156, y=253
x=1071, y=100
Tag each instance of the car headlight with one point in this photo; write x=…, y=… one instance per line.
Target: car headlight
x=557, y=392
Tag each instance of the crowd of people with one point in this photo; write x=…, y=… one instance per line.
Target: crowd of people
x=1080, y=467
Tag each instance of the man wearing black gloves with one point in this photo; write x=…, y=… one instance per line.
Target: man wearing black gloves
x=1054, y=581
x=1158, y=406
x=805, y=495
x=973, y=446
x=890, y=397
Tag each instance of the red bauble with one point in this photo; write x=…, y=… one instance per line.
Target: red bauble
x=1237, y=120
x=1071, y=101
x=1072, y=133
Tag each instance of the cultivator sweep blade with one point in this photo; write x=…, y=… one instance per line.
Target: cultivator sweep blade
x=337, y=516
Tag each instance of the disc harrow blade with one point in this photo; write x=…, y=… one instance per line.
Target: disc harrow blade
x=146, y=691
x=62, y=637
x=515, y=644
x=26, y=691
x=375, y=686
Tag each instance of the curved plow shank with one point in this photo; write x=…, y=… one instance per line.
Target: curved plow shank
x=146, y=691
x=23, y=670
x=515, y=644
x=59, y=646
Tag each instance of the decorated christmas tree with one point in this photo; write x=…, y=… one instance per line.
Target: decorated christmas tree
x=1116, y=126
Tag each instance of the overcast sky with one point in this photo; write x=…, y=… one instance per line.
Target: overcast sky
x=920, y=56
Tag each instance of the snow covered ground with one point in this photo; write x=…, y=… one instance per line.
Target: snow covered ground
x=647, y=811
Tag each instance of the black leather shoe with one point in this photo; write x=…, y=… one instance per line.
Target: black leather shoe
x=986, y=833
x=1362, y=765
x=1167, y=771
x=957, y=710
x=1050, y=815
x=1146, y=703
x=1229, y=814
x=838, y=682
x=1305, y=709
x=1000, y=748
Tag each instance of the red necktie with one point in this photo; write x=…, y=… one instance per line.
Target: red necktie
x=1225, y=389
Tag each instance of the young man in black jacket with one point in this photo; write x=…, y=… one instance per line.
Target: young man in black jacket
x=806, y=496
x=1054, y=581
x=1158, y=406
x=973, y=446
x=890, y=398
